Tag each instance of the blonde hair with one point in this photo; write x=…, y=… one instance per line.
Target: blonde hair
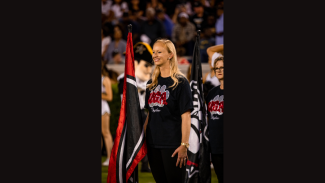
x=175, y=73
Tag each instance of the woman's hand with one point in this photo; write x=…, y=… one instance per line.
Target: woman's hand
x=182, y=155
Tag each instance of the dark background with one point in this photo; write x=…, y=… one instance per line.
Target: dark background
x=51, y=92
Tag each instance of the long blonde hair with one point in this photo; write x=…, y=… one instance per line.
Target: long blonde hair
x=175, y=73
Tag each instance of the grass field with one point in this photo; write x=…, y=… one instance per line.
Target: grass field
x=147, y=177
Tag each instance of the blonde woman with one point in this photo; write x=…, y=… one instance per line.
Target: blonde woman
x=107, y=95
x=168, y=124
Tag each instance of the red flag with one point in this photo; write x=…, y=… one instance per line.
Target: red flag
x=129, y=144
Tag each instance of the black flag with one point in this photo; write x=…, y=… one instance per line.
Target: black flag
x=198, y=168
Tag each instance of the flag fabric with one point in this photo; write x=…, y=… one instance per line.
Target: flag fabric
x=198, y=168
x=129, y=144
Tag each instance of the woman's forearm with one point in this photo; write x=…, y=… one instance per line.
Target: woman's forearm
x=106, y=97
x=108, y=88
x=213, y=49
x=186, y=126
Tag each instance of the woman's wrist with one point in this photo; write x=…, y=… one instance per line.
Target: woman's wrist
x=185, y=144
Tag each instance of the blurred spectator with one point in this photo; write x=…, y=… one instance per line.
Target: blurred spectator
x=183, y=34
x=135, y=15
x=179, y=9
x=152, y=27
x=206, y=41
x=118, y=8
x=155, y=4
x=112, y=74
x=107, y=96
x=137, y=5
x=219, y=25
x=211, y=23
x=181, y=60
x=106, y=6
x=199, y=17
x=117, y=44
x=117, y=57
x=124, y=22
x=187, y=5
x=168, y=23
x=105, y=42
x=170, y=6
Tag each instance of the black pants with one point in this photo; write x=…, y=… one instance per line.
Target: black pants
x=163, y=166
x=217, y=161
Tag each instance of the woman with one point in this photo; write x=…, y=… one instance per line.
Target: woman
x=107, y=95
x=105, y=42
x=209, y=79
x=215, y=103
x=168, y=124
x=118, y=8
x=213, y=52
x=117, y=44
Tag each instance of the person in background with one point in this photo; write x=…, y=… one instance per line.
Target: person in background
x=206, y=41
x=215, y=110
x=136, y=16
x=179, y=9
x=112, y=74
x=124, y=22
x=155, y=4
x=152, y=27
x=106, y=6
x=168, y=124
x=107, y=95
x=105, y=42
x=199, y=17
x=117, y=44
x=137, y=5
x=209, y=79
x=219, y=25
x=118, y=8
x=170, y=6
x=183, y=34
x=117, y=57
x=168, y=23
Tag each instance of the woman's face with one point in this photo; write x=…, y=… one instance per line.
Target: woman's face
x=219, y=69
x=160, y=54
x=117, y=33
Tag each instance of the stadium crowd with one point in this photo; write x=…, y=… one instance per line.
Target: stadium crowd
x=177, y=20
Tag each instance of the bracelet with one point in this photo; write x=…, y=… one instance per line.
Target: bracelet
x=187, y=145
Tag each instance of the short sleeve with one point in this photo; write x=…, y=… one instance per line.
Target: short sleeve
x=185, y=102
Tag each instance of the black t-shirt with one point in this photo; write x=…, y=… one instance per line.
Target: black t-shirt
x=215, y=104
x=166, y=105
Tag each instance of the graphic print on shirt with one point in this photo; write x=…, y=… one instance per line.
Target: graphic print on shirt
x=215, y=106
x=158, y=97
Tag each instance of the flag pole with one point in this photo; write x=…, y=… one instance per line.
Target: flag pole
x=130, y=28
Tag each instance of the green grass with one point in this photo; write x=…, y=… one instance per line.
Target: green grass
x=146, y=177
